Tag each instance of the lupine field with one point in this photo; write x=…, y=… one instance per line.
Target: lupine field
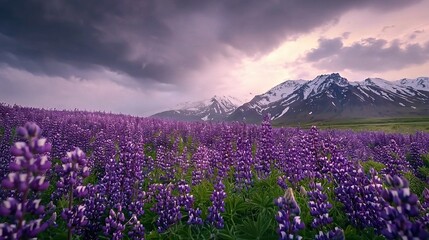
x=83, y=175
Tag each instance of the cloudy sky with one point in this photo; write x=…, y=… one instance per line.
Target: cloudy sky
x=141, y=57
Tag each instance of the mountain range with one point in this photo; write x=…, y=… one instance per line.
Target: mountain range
x=328, y=97
x=217, y=108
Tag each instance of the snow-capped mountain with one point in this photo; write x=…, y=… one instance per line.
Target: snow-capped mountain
x=216, y=108
x=421, y=83
x=260, y=102
x=332, y=97
x=327, y=97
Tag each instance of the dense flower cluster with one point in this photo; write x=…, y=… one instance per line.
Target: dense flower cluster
x=336, y=234
x=167, y=206
x=142, y=171
x=415, y=159
x=393, y=157
x=115, y=223
x=319, y=206
x=133, y=159
x=137, y=231
x=360, y=195
x=201, y=164
x=72, y=172
x=288, y=216
x=186, y=200
x=425, y=208
x=218, y=205
x=26, y=177
x=243, y=172
x=403, y=207
x=225, y=154
x=319, y=209
x=95, y=206
x=264, y=154
x=165, y=162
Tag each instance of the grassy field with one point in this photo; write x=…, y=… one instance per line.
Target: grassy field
x=403, y=125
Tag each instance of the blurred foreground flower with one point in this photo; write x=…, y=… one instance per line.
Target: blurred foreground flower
x=27, y=176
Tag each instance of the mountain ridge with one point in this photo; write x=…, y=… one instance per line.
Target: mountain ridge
x=327, y=97
x=216, y=108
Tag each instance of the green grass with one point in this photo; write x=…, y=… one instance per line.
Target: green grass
x=403, y=125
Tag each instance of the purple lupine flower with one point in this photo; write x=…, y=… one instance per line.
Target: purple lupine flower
x=319, y=209
x=336, y=234
x=264, y=153
x=319, y=206
x=415, y=159
x=137, y=231
x=281, y=181
x=288, y=216
x=194, y=217
x=424, y=219
x=72, y=172
x=183, y=160
x=75, y=217
x=425, y=208
x=403, y=207
x=393, y=157
x=115, y=223
x=167, y=206
x=137, y=205
x=201, y=164
x=95, y=206
x=226, y=154
x=218, y=206
x=165, y=162
x=132, y=158
x=360, y=195
x=27, y=175
x=243, y=173
x=186, y=200
x=112, y=181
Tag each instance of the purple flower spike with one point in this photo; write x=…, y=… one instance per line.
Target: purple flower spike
x=27, y=175
x=186, y=200
x=115, y=223
x=264, y=154
x=319, y=209
x=402, y=207
x=288, y=216
x=167, y=206
x=137, y=231
x=72, y=172
x=218, y=206
x=425, y=208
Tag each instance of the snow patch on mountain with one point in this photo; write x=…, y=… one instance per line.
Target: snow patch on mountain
x=322, y=82
x=280, y=91
x=420, y=83
x=283, y=112
x=227, y=104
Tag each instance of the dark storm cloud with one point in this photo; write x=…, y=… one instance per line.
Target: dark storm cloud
x=155, y=40
x=368, y=55
x=327, y=47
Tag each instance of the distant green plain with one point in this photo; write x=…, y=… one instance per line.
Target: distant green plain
x=402, y=125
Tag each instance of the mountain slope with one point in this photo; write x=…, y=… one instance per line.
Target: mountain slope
x=216, y=108
x=253, y=111
x=332, y=97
